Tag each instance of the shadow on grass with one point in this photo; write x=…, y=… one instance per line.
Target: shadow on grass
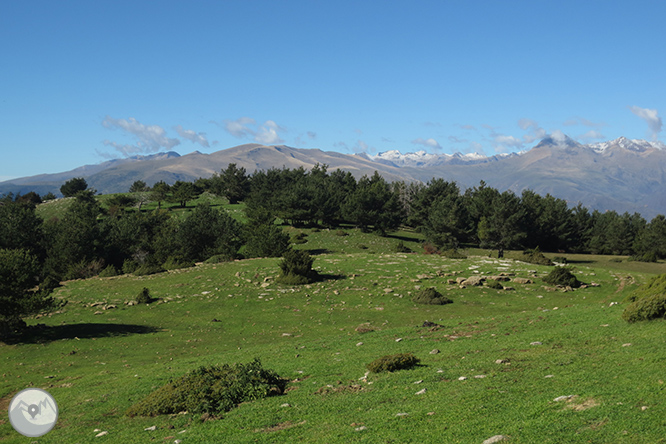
x=318, y=251
x=329, y=277
x=40, y=333
x=580, y=261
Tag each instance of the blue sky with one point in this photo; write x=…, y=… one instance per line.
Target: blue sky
x=86, y=81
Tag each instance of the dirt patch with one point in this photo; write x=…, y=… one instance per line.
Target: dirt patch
x=281, y=426
x=575, y=404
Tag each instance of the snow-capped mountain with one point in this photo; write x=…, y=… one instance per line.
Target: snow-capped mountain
x=424, y=159
x=636, y=145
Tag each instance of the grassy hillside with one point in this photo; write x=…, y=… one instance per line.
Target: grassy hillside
x=518, y=350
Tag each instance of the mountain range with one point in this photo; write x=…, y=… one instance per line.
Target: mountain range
x=621, y=175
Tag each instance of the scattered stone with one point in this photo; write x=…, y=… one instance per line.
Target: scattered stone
x=419, y=381
x=496, y=438
x=499, y=278
x=421, y=392
x=430, y=413
x=95, y=304
x=110, y=307
x=594, y=284
x=360, y=429
x=460, y=280
x=178, y=441
x=439, y=370
x=430, y=324
x=451, y=281
x=285, y=405
x=423, y=276
x=519, y=280
x=286, y=334
x=563, y=398
x=612, y=303
x=628, y=344
x=480, y=376
x=150, y=429
x=99, y=312
x=474, y=281
x=398, y=340
x=509, y=289
x=359, y=344
x=402, y=414
x=101, y=434
x=502, y=361
x=549, y=376
x=265, y=284
x=388, y=290
x=644, y=408
x=434, y=351
x=536, y=343
x=462, y=378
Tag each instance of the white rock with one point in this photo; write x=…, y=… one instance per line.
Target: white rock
x=402, y=414
x=536, y=343
x=359, y=344
x=285, y=405
x=480, y=376
x=563, y=398
x=462, y=378
x=151, y=428
x=549, y=376
x=359, y=429
x=421, y=392
x=398, y=340
x=627, y=344
x=496, y=438
x=101, y=434
x=434, y=352
x=419, y=381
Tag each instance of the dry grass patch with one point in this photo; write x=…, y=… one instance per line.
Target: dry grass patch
x=573, y=404
x=281, y=426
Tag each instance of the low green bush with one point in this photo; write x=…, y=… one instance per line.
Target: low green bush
x=560, y=260
x=491, y=283
x=402, y=248
x=144, y=297
x=146, y=269
x=562, y=276
x=430, y=296
x=391, y=363
x=218, y=259
x=211, y=389
x=650, y=256
x=109, y=271
x=296, y=267
x=646, y=309
x=656, y=285
x=174, y=263
x=454, y=254
x=299, y=238
x=535, y=256
x=129, y=266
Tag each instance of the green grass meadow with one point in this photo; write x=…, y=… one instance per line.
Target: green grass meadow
x=97, y=362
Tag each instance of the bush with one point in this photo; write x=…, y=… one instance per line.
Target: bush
x=362, y=246
x=213, y=390
x=144, y=297
x=299, y=238
x=391, y=363
x=146, y=269
x=129, y=266
x=341, y=233
x=174, y=263
x=402, y=248
x=535, y=256
x=430, y=296
x=84, y=269
x=645, y=309
x=218, y=259
x=454, y=254
x=296, y=268
x=490, y=283
x=560, y=259
x=656, y=285
x=562, y=276
x=650, y=256
x=109, y=271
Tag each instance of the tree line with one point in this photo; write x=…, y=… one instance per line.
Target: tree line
x=89, y=240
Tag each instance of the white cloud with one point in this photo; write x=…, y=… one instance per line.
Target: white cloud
x=592, y=135
x=534, y=131
x=503, y=141
x=428, y=143
x=193, y=137
x=239, y=127
x=651, y=117
x=268, y=133
x=246, y=127
x=454, y=139
x=151, y=138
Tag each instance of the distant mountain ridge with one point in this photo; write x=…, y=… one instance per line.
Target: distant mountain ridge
x=621, y=174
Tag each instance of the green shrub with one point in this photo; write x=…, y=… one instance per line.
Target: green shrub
x=560, y=259
x=144, y=297
x=391, y=363
x=402, y=248
x=430, y=296
x=146, y=269
x=362, y=246
x=296, y=267
x=213, y=390
x=109, y=271
x=341, y=233
x=218, y=259
x=646, y=309
x=656, y=285
x=299, y=238
x=562, y=276
x=174, y=263
x=535, y=256
x=129, y=266
x=454, y=254
x=491, y=283
x=650, y=256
